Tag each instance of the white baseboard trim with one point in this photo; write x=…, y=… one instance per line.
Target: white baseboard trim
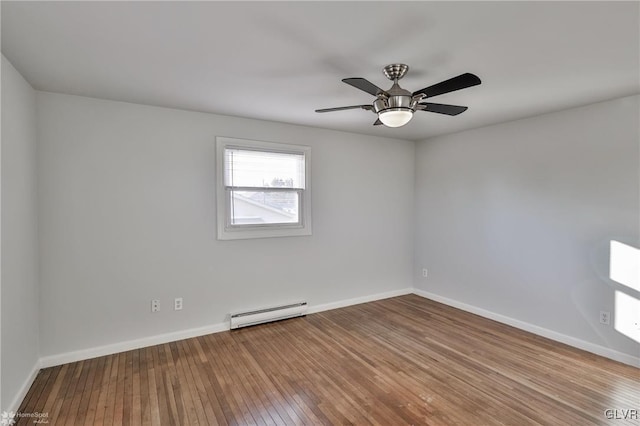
x=83, y=354
x=540, y=331
x=17, y=400
x=358, y=300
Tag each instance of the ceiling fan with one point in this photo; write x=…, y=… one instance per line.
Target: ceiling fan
x=395, y=107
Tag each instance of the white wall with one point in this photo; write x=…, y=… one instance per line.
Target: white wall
x=516, y=218
x=127, y=214
x=19, y=318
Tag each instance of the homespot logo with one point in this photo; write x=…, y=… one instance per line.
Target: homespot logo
x=621, y=414
x=7, y=418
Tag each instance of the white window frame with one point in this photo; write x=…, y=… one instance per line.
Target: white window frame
x=226, y=231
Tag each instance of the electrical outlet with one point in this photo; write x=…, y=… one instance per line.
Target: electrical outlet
x=605, y=317
x=425, y=273
x=155, y=305
x=177, y=304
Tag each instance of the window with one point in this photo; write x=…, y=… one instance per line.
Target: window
x=263, y=189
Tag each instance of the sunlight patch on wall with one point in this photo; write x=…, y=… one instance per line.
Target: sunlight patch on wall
x=627, y=315
x=624, y=268
x=624, y=265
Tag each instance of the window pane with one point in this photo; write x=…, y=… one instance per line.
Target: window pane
x=264, y=207
x=263, y=169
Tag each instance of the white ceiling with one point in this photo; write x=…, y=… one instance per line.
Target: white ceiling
x=280, y=61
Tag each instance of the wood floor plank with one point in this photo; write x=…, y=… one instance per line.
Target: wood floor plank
x=121, y=390
x=110, y=405
x=195, y=408
x=70, y=394
x=232, y=362
x=94, y=394
x=127, y=398
x=136, y=407
x=65, y=385
x=404, y=360
x=144, y=398
x=218, y=344
x=82, y=402
x=266, y=386
x=236, y=369
x=159, y=391
x=201, y=372
x=52, y=396
x=104, y=391
x=79, y=392
x=278, y=374
x=182, y=397
x=153, y=416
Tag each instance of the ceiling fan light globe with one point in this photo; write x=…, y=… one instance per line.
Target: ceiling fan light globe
x=395, y=117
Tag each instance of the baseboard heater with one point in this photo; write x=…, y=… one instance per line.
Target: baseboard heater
x=261, y=316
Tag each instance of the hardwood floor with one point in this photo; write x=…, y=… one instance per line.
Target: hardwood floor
x=406, y=360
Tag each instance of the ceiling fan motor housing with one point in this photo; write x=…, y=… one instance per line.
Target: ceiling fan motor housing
x=394, y=98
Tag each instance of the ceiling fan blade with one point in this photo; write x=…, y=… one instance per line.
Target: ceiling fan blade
x=456, y=83
x=364, y=84
x=443, y=108
x=377, y=123
x=367, y=107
